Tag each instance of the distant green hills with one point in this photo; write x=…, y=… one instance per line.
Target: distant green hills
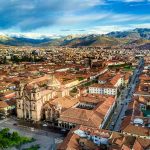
x=139, y=38
x=19, y=41
x=139, y=33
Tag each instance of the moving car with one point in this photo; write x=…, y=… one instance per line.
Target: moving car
x=112, y=123
x=32, y=129
x=44, y=125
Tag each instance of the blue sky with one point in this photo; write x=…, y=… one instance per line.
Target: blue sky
x=63, y=17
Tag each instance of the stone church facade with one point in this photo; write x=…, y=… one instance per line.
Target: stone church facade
x=31, y=97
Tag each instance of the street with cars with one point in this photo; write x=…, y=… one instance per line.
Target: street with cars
x=124, y=99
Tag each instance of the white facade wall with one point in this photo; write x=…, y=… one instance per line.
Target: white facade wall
x=107, y=115
x=98, y=90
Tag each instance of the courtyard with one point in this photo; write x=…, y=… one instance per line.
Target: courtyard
x=45, y=139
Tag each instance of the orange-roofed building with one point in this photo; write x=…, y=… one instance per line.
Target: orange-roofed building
x=98, y=139
x=88, y=114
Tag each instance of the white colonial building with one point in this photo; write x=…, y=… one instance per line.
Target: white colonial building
x=107, y=87
x=101, y=89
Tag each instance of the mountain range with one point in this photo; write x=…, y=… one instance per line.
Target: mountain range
x=137, y=37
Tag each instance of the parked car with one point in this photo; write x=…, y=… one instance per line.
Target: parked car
x=112, y=123
x=44, y=125
x=122, y=118
x=3, y=117
x=32, y=129
x=122, y=103
x=115, y=112
x=63, y=130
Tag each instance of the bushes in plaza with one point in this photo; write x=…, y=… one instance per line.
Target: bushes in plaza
x=8, y=139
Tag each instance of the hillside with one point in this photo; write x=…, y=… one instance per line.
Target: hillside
x=132, y=34
x=4, y=38
x=137, y=38
x=17, y=41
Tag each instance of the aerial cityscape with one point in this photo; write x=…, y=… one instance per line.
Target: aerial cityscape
x=75, y=75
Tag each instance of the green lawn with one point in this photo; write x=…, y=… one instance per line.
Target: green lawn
x=120, y=65
x=8, y=139
x=129, y=68
x=80, y=78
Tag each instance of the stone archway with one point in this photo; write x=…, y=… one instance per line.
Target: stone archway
x=43, y=115
x=27, y=114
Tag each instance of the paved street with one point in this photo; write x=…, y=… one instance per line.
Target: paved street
x=123, y=100
x=43, y=138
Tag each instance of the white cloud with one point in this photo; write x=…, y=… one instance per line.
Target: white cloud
x=129, y=1
x=28, y=15
x=133, y=1
x=144, y=25
x=71, y=19
x=104, y=17
x=106, y=29
x=111, y=28
x=33, y=35
x=128, y=17
x=91, y=3
x=25, y=16
x=93, y=30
